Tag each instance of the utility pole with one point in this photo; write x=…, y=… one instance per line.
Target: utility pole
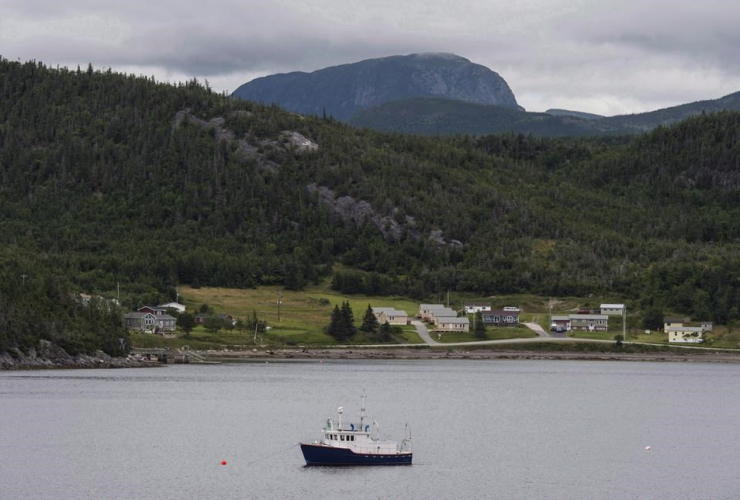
x=24, y=276
x=177, y=294
x=624, y=323
x=118, y=291
x=448, y=298
x=279, y=303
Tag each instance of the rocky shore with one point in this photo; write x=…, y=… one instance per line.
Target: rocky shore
x=49, y=355
x=461, y=353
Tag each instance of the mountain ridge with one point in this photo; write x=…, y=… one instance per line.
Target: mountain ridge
x=340, y=91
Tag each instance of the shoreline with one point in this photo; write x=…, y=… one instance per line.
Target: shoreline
x=51, y=357
x=319, y=354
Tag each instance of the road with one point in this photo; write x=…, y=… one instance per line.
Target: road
x=421, y=329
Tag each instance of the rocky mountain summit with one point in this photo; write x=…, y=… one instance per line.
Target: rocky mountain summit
x=341, y=91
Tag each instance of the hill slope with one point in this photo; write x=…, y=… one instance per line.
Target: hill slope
x=151, y=185
x=642, y=122
x=340, y=91
x=432, y=116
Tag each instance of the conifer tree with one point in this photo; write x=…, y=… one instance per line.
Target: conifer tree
x=480, y=327
x=369, y=321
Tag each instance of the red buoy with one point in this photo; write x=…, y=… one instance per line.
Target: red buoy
x=223, y=462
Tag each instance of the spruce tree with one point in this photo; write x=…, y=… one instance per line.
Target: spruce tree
x=480, y=327
x=349, y=319
x=369, y=321
x=336, y=326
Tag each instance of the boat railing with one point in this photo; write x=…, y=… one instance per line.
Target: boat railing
x=348, y=427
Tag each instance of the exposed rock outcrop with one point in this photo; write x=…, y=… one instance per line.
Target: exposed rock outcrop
x=359, y=212
x=49, y=355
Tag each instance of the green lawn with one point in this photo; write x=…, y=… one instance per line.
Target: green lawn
x=492, y=334
x=302, y=317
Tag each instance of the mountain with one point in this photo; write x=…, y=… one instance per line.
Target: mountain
x=341, y=91
x=444, y=116
x=642, y=122
x=126, y=180
x=432, y=116
x=577, y=114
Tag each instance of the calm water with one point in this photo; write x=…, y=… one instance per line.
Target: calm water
x=481, y=429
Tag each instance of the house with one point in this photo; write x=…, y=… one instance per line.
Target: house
x=425, y=311
x=589, y=322
x=612, y=309
x=441, y=314
x=390, y=316
x=156, y=310
x=85, y=299
x=707, y=326
x=173, y=305
x=200, y=318
x=511, y=309
x=476, y=307
x=685, y=334
x=450, y=324
x=501, y=318
x=227, y=318
x=560, y=323
x=142, y=321
x=672, y=323
x=165, y=322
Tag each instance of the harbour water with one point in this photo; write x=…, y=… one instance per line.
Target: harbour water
x=481, y=429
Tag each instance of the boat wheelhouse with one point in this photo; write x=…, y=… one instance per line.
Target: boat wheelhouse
x=356, y=444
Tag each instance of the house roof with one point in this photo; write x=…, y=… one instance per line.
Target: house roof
x=432, y=306
x=165, y=316
x=444, y=313
x=153, y=308
x=588, y=316
x=500, y=313
x=456, y=320
x=561, y=318
x=474, y=303
x=173, y=305
x=136, y=315
x=389, y=311
x=686, y=329
x=674, y=320
x=612, y=306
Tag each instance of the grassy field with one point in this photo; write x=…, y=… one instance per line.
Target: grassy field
x=304, y=315
x=492, y=334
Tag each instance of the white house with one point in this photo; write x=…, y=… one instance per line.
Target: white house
x=450, y=324
x=476, y=307
x=685, y=334
x=612, y=309
x=390, y=315
x=173, y=305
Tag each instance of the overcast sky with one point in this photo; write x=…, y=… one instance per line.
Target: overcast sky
x=602, y=56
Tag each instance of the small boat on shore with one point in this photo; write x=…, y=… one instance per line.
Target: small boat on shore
x=356, y=444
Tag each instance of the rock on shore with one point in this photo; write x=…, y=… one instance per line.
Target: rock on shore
x=49, y=355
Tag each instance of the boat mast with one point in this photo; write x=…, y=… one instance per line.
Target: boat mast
x=339, y=410
x=362, y=412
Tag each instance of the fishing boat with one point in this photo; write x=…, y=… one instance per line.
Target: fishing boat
x=356, y=444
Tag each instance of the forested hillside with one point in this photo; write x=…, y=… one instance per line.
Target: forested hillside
x=108, y=178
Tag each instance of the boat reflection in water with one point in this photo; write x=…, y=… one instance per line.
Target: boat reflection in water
x=356, y=444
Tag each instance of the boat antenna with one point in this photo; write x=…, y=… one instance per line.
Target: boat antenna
x=340, y=410
x=362, y=412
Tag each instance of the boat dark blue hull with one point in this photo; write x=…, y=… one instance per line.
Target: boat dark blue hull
x=316, y=454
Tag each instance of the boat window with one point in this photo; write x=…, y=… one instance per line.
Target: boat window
x=341, y=438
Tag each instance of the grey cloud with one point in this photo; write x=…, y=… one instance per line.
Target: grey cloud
x=633, y=56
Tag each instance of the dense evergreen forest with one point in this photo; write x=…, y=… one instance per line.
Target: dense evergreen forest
x=108, y=178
